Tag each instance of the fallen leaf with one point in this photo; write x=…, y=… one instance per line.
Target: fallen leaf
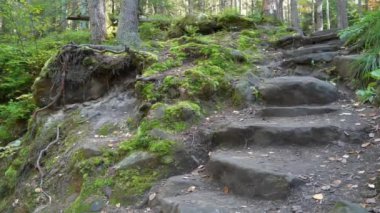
x=336, y=183
x=38, y=190
x=325, y=188
x=226, y=190
x=370, y=201
x=318, y=196
x=351, y=186
x=371, y=186
x=118, y=205
x=191, y=189
x=152, y=196
x=364, y=145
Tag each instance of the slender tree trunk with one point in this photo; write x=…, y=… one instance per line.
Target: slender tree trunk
x=294, y=14
x=127, y=31
x=97, y=12
x=366, y=5
x=269, y=7
x=342, y=14
x=191, y=6
x=328, y=22
x=313, y=15
x=319, y=15
x=63, y=14
x=360, y=8
x=83, y=11
x=280, y=10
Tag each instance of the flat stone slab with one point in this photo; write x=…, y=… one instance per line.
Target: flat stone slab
x=296, y=111
x=297, y=90
x=319, y=48
x=258, y=175
x=309, y=59
x=313, y=130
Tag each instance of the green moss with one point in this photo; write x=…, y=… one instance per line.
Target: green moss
x=204, y=81
x=131, y=184
x=147, y=91
x=163, y=66
x=232, y=20
x=90, y=187
x=89, y=61
x=106, y=129
x=182, y=111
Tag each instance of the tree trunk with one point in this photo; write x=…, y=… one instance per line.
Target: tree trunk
x=360, y=8
x=97, y=12
x=83, y=6
x=269, y=7
x=319, y=15
x=366, y=5
x=313, y=16
x=191, y=6
x=127, y=31
x=64, y=14
x=280, y=10
x=222, y=4
x=342, y=14
x=328, y=23
x=294, y=14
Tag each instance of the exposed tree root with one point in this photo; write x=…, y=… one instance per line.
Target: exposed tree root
x=38, y=164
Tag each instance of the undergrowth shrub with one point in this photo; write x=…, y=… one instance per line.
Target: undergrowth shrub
x=365, y=36
x=14, y=116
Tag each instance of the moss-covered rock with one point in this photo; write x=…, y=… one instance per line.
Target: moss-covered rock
x=205, y=24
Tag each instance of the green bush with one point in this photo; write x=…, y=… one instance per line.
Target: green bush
x=14, y=116
x=366, y=35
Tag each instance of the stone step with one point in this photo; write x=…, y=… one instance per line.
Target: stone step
x=297, y=90
x=311, y=58
x=259, y=174
x=193, y=194
x=301, y=131
x=296, y=111
x=319, y=48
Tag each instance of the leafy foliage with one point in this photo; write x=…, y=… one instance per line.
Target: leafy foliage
x=365, y=34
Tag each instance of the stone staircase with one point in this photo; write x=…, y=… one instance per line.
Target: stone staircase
x=270, y=161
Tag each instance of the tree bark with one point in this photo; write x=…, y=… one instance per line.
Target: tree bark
x=294, y=14
x=191, y=6
x=83, y=12
x=342, y=14
x=319, y=15
x=313, y=16
x=97, y=12
x=328, y=22
x=269, y=7
x=360, y=8
x=127, y=31
x=280, y=10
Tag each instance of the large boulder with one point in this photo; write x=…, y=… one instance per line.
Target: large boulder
x=293, y=90
x=82, y=73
